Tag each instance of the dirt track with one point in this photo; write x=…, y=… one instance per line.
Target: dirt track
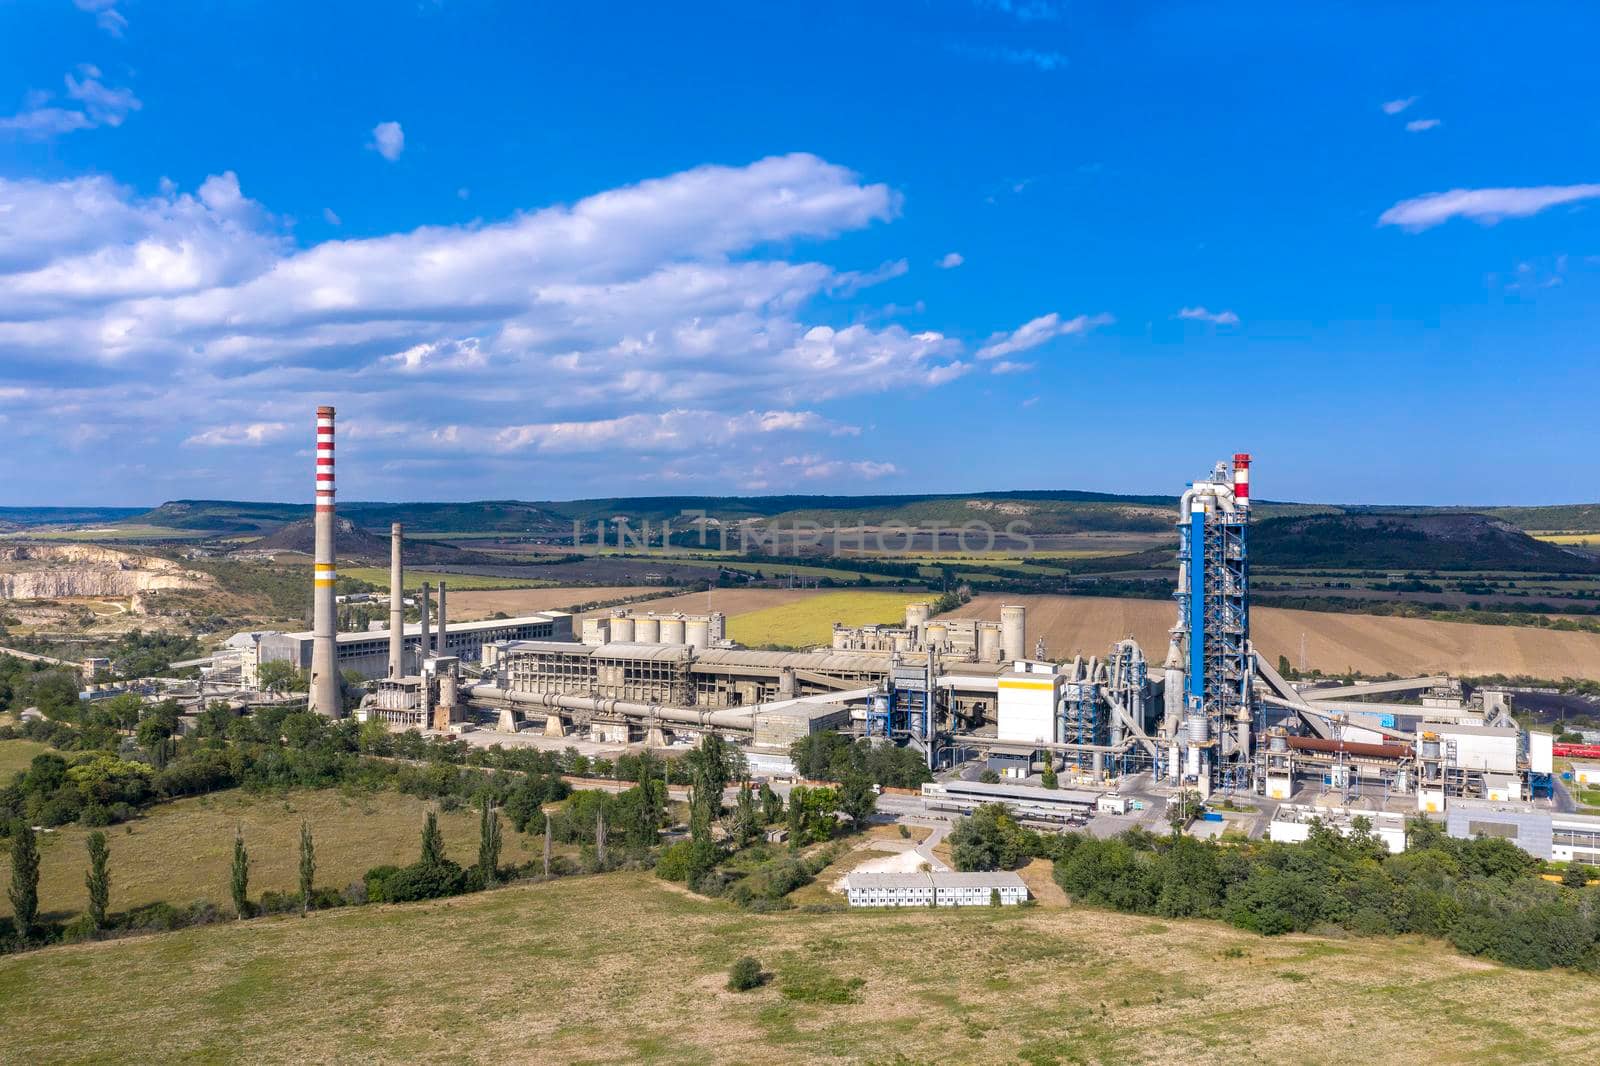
x=1333, y=642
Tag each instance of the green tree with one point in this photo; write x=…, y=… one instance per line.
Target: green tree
x=432, y=842
x=1049, y=780
x=98, y=881
x=308, y=867
x=1576, y=875
x=280, y=675
x=771, y=804
x=240, y=883
x=153, y=736
x=24, y=890
x=744, y=815
x=489, y=843
x=797, y=815
x=857, y=799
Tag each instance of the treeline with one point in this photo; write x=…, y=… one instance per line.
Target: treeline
x=1485, y=896
x=830, y=756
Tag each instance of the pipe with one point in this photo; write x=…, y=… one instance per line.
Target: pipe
x=397, y=603
x=325, y=696
x=705, y=719
x=1350, y=747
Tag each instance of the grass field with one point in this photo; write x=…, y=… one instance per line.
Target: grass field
x=1585, y=540
x=182, y=851
x=622, y=968
x=1333, y=643
x=811, y=621
x=414, y=579
x=15, y=755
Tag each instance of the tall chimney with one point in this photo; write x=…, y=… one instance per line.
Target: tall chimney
x=425, y=652
x=1241, y=479
x=325, y=695
x=443, y=648
x=397, y=603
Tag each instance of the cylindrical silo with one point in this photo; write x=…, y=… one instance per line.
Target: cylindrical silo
x=988, y=643
x=841, y=638
x=672, y=630
x=647, y=630
x=697, y=632
x=917, y=614
x=622, y=628
x=1013, y=631
x=934, y=634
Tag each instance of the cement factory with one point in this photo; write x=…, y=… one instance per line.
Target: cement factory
x=1212, y=718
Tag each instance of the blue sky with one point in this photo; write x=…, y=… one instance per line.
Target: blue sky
x=557, y=250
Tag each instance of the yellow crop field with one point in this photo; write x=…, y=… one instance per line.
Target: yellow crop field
x=1582, y=540
x=414, y=578
x=810, y=621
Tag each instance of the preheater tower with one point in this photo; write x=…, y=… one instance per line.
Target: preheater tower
x=325, y=696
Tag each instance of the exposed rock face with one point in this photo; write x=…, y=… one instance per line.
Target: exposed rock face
x=52, y=572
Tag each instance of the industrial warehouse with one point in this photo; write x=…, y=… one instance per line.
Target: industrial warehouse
x=1211, y=718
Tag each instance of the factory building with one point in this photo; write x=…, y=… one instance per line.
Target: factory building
x=952, y=639
x=368, y=653
x=1542, y=833
x=624, y=626
x=939, y=889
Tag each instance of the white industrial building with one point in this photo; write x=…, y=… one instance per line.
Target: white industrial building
x=367, y=653
x=941, y=889
x=1028, y=696
x=1293, y=821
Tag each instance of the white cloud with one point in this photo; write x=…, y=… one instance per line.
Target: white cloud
x=1040, y=60
x=252, y=434
x=1394, y=107
x=814, y=467
x=1419, y=125
x=1485, y=206
x=951, y=260
x=1038, y=331
x=1006, y=366
x=1216, y=318
x=388, y=140
x=644, y=315
x=106, y=15
x=98, y=106
x=1022, y=10
x=330, y=217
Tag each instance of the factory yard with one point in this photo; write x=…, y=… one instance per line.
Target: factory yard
x=537, y=973
x=181, y=851
x=1334, y=643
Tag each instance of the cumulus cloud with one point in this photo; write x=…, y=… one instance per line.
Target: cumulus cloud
x=388, y=140
x=1394, y=107
x=1039, y=331
x=92, y=104
x=1039, y=59
x=252, y=434
x=1216, y=318
x=814, y=466
x=106, y=15
x=1006, y=366
x=951, y=260
x=646, y=315
x=1420, y=125
x=1485, y=206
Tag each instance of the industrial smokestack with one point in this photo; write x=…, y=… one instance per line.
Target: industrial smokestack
x=426, y=651
x=439, y=645
x=1241, y=479
x=325, y=697
x=397, y=603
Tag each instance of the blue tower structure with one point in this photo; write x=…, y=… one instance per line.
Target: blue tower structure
x=1214, y=621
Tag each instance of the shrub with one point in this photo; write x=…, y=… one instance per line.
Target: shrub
x=79, y=929
x=745, y=975
x=673, y=865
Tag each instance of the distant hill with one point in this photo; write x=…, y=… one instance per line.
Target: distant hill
x=1440, y=541
x=353, y=542
x=23, y=517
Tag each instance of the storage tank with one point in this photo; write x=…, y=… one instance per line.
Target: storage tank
x=672, y=631
x=1013, y=631
x=988, y=643
x=1199, y=729
x=917, y=614
x=902, y=641
x=622, y=628
x=841, y=637
x=697, y=632
x=934, y=633
x=647, y=630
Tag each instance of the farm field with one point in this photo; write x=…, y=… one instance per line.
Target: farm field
x=1583, y=540
x=414, y=578
x=811, y=621
x=182, y=851
x=529, y=973
x=471, y=606
x=731, y=602
x=1333, y=642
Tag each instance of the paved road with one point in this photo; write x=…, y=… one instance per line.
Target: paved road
x=32, y=658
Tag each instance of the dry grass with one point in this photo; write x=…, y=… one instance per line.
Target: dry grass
x=620, y=969
x=183, y=851
x=15, y=755
x=473, y=606
x=1334, y=643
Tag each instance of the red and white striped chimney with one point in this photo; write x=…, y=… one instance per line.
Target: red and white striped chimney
x=1241, y=479
x=325, y=687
